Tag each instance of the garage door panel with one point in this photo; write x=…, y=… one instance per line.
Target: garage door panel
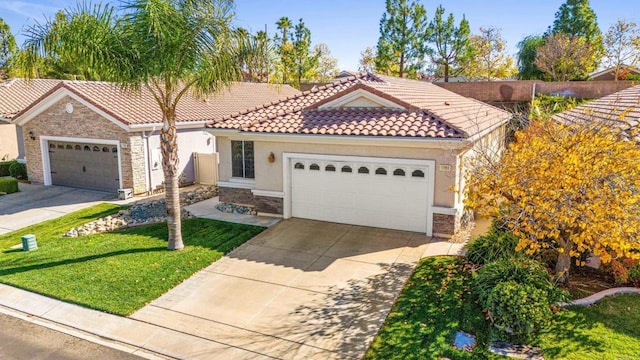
x=387, y=201
x=83, y=165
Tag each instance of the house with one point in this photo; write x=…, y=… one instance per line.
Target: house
x=15, y=95
x=610, y=74
x=368, y=149
x=618, y=109
x=96, y=135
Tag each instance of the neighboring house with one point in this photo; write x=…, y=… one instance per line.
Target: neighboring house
x=610, y=73
x=16, y=95
x=95, y=135
x=618, y=109
x=368, y=150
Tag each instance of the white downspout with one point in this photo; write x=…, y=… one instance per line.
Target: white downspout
x=147, y=159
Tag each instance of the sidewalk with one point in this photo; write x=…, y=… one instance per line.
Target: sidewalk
x=125, y=334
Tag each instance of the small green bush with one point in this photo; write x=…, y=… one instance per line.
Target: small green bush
x=495, y=245
x=4, y=167
x=520, y=270
x=8, y=185
x=520, y=310
x=18, y=170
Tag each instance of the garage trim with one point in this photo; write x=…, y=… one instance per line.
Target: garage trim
x=44, y=150
x=430, y=175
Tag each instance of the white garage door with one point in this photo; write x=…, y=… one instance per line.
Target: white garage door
x=378, y=192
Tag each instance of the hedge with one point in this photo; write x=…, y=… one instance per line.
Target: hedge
x=8, y=185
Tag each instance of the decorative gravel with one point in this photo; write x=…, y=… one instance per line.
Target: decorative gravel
x=143, y=212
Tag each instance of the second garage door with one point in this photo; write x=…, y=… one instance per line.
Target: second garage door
x=82, y=165
x=377, y=192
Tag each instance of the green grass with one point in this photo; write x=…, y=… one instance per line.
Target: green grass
x=435, y=303
x=610, y=329
x=115, y=272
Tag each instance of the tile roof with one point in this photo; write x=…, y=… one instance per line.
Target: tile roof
x=17, y=94
x=620, y=109
x=429, y=111
x=140, y=107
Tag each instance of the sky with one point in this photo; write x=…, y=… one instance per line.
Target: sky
x=349, y=26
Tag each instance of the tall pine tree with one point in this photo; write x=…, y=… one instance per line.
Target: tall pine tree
x=400, y=48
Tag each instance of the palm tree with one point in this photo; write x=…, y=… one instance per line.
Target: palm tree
x=169, y=47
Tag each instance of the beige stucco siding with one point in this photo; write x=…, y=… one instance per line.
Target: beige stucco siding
x=269, y=175
x=491, y=145
x=84, y=123
x=8, y=142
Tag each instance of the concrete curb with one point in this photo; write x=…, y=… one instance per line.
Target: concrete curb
x=134, y=350
x=592, y=299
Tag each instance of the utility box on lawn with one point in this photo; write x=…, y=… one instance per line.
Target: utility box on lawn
x=124, y=194
x=29, y=242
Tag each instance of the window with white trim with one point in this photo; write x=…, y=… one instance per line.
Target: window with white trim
x=242, y=159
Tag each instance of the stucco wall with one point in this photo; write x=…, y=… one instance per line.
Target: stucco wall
x=189, y=141
x=8, y=142
x=84, y=123
x=269, y=175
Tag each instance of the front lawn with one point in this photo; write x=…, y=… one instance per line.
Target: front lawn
x=115, y=272
x=610, y=329
x=435, y=303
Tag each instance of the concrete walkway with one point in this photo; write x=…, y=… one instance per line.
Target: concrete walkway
x=207, y=209
x=37, y=203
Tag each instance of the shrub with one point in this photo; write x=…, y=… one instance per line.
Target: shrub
x=4, y=167
x=624, y=271
x=520, y=310
x=520, y=270
x=495, y=245
x=8, y=185
x=18, y=170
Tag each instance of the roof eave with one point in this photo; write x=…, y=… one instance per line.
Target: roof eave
x=395, y=141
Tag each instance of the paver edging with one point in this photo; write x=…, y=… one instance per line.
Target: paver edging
x=592, y=299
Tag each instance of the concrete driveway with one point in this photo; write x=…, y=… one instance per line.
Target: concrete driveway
x=300, y=290
x=37, y=203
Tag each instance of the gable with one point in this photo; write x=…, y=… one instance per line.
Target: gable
x=360, y=98
x=58, y=95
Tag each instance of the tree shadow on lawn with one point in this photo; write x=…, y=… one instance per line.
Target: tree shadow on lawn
x=567, y=335
x=21, y=269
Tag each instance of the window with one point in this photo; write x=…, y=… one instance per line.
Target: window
x=299, y=166
x=242, y=159
x=417, y=173
x=87, y=148
x=78, y=147
x=363, y=170
x=314, y=167
x=381, y=171
x=68, y=147
x=105, y=149
x=329, y=168
x=398, y=172
x=346, y=169
x=60, y=146
x=96, y=148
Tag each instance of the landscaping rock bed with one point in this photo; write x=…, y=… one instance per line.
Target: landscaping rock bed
x=143, y=212
x=237, y=209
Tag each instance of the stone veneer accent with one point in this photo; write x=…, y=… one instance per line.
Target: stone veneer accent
x=236, y=196
x=84, y=123
x=269, y=205
x=444, y=224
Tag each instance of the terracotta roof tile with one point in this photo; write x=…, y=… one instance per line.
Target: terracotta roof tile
x=17, y=94
x=429, y=111
x=140, y=107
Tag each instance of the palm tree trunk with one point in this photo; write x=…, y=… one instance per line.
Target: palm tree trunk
x=169, y=146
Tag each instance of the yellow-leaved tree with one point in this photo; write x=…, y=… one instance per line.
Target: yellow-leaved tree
x=573, y=188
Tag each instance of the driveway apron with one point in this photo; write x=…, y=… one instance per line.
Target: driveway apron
x=300, y=290
x=36, y=203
